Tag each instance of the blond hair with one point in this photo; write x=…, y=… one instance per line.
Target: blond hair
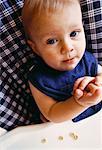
x=36, y=7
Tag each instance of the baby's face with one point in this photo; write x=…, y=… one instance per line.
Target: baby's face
x=59, y=38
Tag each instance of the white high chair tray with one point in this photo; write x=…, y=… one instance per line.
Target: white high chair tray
x=83, y=135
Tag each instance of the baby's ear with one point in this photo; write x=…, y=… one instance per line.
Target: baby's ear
x=31, y=44
x=33, y=47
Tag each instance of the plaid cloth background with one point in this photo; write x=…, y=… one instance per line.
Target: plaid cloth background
x=92, y=17
x=17, y=106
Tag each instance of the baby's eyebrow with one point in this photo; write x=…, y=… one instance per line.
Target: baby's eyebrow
x=74, y=26
x=51, y=33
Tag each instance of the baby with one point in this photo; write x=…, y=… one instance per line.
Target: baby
x=65, y=81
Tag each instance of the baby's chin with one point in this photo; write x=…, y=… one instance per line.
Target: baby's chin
x=69, y=68
x=64, y=67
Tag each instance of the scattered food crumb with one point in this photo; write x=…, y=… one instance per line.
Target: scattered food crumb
x=73, y=135
x=43, y=140
x=60, y=138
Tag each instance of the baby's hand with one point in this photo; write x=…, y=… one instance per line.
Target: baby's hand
x=90, y=97
x=88, y=90
x=80, y=85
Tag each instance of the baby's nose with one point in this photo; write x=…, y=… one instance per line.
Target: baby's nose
x=67, y=47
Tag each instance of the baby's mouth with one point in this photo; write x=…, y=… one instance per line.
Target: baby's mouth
x=69, y=60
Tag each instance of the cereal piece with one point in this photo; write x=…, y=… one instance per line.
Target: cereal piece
x=60, y=138
x=43, y=140
x=73, y=135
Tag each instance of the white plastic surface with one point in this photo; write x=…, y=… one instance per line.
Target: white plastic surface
x=2, y=131
x=89, y=132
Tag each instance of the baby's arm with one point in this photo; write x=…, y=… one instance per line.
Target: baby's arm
x=56, y=111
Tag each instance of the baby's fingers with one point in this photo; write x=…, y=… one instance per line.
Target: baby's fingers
x=81, y=83
x=92, y=88
x=78, y=94
x=77, y=82
x=85, y=82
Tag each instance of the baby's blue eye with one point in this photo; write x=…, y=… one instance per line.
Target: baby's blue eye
x=51, y=41
x=74, y=33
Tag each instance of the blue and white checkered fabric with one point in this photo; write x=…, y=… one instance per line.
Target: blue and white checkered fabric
x=17, y=106
x=92, y=18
